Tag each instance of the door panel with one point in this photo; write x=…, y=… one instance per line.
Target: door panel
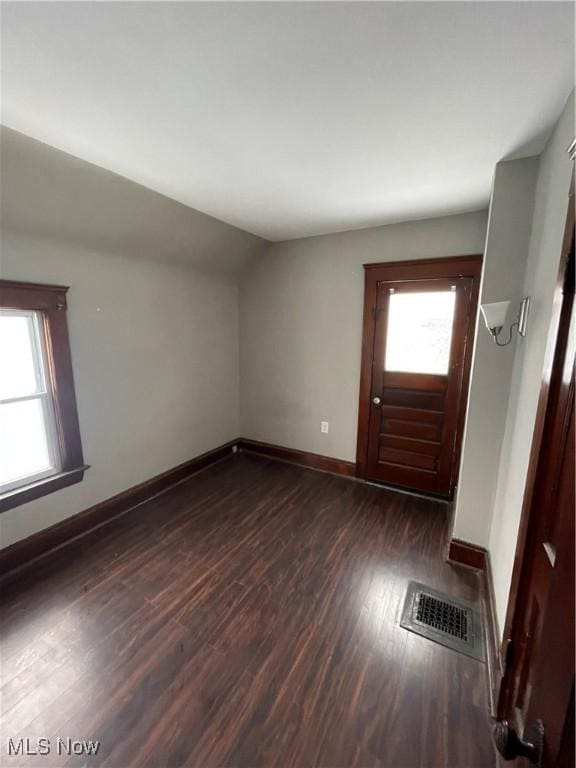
x=415, y=399
x=414, y=429
x=407, y=458
x=415, y=381
x=427, y=447
x=537, y=689
x=420, y=338
x=397, y=413
x=541, y=677
x=419, y=319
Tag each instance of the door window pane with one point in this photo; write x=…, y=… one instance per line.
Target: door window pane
x=24, y=446
x=419, y=332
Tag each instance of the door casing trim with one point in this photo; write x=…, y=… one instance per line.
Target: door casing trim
x=416, y=269
x=528, y=510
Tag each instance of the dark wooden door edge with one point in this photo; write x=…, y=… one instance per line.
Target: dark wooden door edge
x=452, y=266
x=22, y=553
x=542, y=406
x=302, y=458
x=472, y=556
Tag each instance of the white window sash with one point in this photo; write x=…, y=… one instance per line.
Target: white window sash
x=39, y=361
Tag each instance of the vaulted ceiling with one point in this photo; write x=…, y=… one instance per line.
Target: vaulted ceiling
x=292, y=119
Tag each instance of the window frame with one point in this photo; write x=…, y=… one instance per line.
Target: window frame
x=50, y=302
x=42, y=394
x=420, y=289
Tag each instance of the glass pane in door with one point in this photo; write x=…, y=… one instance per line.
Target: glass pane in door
x=419, y=331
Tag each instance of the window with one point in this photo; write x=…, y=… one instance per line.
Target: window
x=29, y=448
x=420, y=332
x=40, y=449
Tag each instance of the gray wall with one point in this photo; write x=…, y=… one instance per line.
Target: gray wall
x=301, y=327
x=507, y=242
x=534, y=356
x=153, y=318
x=58, y=198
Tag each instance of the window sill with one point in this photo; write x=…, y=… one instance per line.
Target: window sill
x=36, y=490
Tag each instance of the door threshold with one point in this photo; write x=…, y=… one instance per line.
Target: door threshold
x=427, y=496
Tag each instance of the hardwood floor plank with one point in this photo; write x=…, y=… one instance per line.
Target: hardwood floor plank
x=246, y=617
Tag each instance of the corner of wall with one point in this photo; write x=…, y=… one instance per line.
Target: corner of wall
x=548, y=221
x=507, y=239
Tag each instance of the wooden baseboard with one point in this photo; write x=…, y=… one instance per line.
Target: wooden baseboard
x=302, y=458
x=494, y=663
x=463, y=553
x=23, y=552
x=473, y=556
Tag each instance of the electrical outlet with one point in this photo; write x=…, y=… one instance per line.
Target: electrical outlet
x=324, y=427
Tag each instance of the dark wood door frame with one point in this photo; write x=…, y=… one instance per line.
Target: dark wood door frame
x=557, y=337
x=420, y=269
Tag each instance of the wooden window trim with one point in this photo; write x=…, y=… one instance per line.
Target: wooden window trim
x=50, y=300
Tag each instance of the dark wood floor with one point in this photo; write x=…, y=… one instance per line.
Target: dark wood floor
x=247, y=617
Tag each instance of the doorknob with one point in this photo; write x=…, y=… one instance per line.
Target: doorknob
x=376, y=400
x=511, y=746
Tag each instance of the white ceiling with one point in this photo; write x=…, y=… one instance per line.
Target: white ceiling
x=292, y=119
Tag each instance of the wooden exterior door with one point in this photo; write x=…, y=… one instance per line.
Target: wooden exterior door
x=419, y=324
x=536, y=702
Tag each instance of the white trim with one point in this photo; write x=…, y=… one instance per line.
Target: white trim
x=39, y=358
x=10, y=400
x=25, y=480
x=47, y=399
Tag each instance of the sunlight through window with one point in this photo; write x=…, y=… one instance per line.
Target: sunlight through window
x=420, y=332
x=28, y=446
